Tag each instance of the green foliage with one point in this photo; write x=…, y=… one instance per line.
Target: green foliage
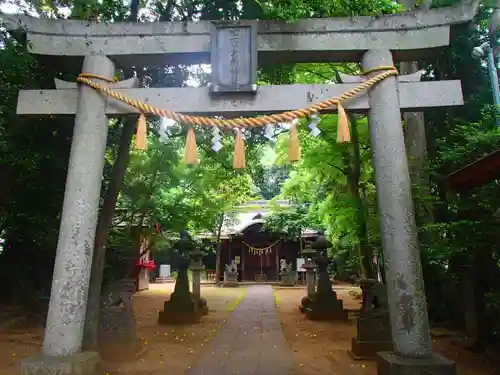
x=292, y=10
x=332, y=185
x=33, y=154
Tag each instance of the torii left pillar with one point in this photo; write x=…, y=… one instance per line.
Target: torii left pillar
x=62, y=346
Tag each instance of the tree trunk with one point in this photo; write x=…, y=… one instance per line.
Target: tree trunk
x=353, y=177
x=218, y=250
x=469, y=299
x=91, y=330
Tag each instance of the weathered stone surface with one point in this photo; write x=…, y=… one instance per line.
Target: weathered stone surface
x=324, y=309
x=406, y=296
x=373, y=328
x=189, y=313
x=373, y=334
x=196, y=268
x=230, y=278
x=70, y=283
x=233, y=55
x=409, y=35
x=310, y=268
x=374, y=298
x=82, y=363
x=323, y=304
x=182, y=307
x=118, y=339
x=270, y=99
x=389, y=363
x=288, y=278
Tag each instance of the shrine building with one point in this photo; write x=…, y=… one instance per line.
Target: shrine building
x=257, y=251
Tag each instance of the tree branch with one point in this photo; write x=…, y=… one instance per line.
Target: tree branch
x=343, y=171
x=316, y=73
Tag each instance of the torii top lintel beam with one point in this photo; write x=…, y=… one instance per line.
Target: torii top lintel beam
x=411, y=35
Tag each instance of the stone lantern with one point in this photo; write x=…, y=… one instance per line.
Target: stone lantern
x=196, y=266
x=185, y=307
x=323, y=303
x=310, y=266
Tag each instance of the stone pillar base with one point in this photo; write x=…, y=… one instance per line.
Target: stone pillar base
x=367, y=349
x=287, y=278
x=83, y=363
x=178, y=317
x=373, y=335
x=388, y=363
x=230, y=278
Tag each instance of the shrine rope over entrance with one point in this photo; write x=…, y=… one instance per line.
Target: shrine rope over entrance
x=248, y=122
x=261, y=250
x=343, y=132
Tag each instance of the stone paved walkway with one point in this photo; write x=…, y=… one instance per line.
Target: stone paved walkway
x=250, y=342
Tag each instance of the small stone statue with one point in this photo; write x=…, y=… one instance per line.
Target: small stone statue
x=283, y=265
x=374, y=297
x=287, y=277
x=231, y=274
x=232, y=267
x=373, y=333
x=119, y=295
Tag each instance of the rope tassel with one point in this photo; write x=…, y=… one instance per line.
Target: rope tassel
x=294, y=143
x=239, y=151
x=388, y=71
x=191, y=152
x=141, y=137
x=343, y=131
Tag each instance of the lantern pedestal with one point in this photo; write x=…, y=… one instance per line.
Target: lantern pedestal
x=287, y=278
x=230, y=278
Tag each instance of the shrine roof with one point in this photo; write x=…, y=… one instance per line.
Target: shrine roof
x=476, y=174
x=243, y=216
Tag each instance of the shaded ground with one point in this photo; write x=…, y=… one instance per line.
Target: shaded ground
x=170, y=349
x=321, y=347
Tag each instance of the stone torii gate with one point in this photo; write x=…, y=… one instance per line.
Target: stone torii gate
x=234, y=49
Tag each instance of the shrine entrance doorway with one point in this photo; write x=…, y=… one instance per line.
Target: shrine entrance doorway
x=258, y=252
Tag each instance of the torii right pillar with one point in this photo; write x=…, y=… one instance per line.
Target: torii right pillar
x=403, y=270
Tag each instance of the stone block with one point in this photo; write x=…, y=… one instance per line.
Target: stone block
x=323, y=307
x=178, y=317
x=373, y=328
x=389, y=363
x=83, y=363
x=373, y=334
x=201, y=305
x=287, y=278
x=230, y=278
